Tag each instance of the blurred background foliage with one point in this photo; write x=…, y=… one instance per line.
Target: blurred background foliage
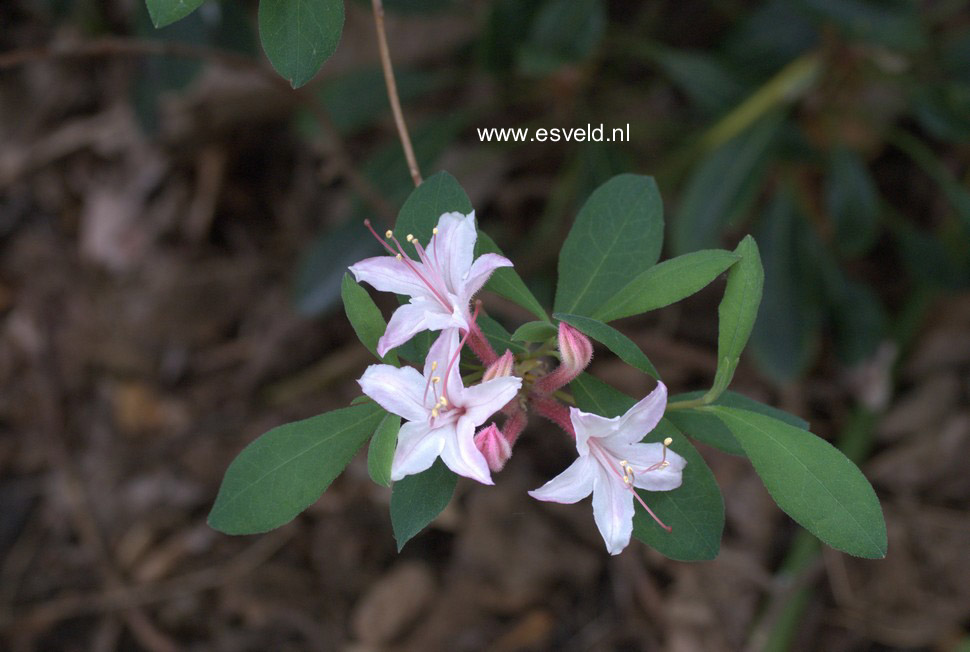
x=834, y=130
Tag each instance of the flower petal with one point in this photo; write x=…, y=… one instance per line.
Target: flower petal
x=570, y=486
x=589, y=425
x=613, y=510
x=452, y=249
x=418, y=446
x=643, y=417
x=644, y=456
x=396, y=390
x=485, y=399
x=409, y=320
x=479, y=273
x=440, y=355
x=388, y=274
x=461, y=455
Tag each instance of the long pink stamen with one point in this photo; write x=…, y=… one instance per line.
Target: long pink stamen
x=432, y=269
x=627, y=481
x=403, y=257
x=451, y=365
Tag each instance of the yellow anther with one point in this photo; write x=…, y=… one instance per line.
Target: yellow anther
x=626, y=479
x=664, y=464
x=624, y=463
x=409, y=237
x=434, y=365
x=436, y=379
x=434, y=413
x=398, y=256
x=444, y=400
x=389, y=234
x=434, y=231
x=668, y=441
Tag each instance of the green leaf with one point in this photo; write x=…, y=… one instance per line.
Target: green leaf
x=166, y=12
x=694, y=511
x=535, y=331
x=852, y=201
x=437, y=195
x=667, y=283
x=812, y=481
x=616, y=236
x=498, y=337
x=380, y=453
x=299, y=35
x=365, y=317
x=418, y=499
x=506, y=282
x=704, y=426
x=737, y=312
x=287, y=469
x=614, y=340
x=703, y=77
x=722, y=187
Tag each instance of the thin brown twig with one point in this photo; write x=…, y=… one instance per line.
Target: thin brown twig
x=402, y=128
x=120, y=46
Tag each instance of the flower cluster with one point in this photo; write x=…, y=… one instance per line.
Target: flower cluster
x=441, y=413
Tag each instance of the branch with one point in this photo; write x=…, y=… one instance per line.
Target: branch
x=402, y=128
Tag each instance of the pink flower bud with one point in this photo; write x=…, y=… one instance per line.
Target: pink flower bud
x=576, y=349
x=493, y=445
x=501, y=367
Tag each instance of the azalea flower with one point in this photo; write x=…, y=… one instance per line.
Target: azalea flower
x=441, y=283
x=441, y=413
x=611, y=462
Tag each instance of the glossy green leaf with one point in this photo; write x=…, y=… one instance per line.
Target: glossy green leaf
x=166, y=12
x=284, y=471
x=812, y=481
x=365, y=317
x=418, y=499
x=614, y=340
x=706, y=427
x=616, y=236
x=380, y=453
x=667, y=283
x=694, y=511
x=299, y=35
x=723, y=186
x=506, y=282
x=737, y=312
x=852, y=202
x=535, y=331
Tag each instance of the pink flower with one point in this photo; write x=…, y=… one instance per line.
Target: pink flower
x=611, y=462
x=441, y=413
x=494, y=446
x=440, y=284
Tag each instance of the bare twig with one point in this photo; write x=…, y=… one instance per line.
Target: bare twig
x=402, y=128
x=119, y=46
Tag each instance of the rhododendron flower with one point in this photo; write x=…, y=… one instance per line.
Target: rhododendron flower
x=441, y=283
x=611, y=462
x=441, y=413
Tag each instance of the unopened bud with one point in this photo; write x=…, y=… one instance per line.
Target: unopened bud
x=501, y=367
x=575, y=348
x=493, y=445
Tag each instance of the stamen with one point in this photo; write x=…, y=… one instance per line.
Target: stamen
x=627, y=480
x=434, y=231
x=389, y=234
x=409, y=237
x=444, y=390
x=378, y=238
x=427, y=384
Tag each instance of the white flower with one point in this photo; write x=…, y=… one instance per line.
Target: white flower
x=441, y=413
x=440, y=284
x=611, y=462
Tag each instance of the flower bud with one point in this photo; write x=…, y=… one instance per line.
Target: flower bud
x=501, y=367
x=493, y=445
x=575, y=348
